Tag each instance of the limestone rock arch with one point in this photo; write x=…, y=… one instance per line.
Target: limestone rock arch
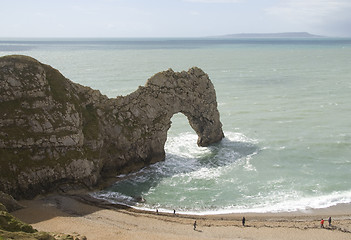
x=191, y=93
x=54, y=132
x=151, y=108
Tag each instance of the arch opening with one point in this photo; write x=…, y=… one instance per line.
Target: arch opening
x=179, y=124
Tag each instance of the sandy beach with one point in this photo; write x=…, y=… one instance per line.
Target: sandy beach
x=99, y=221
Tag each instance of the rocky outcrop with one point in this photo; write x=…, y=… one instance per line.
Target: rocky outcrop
x=2, y=208
x=9, y=203
x=54, y=132
x=13, y=228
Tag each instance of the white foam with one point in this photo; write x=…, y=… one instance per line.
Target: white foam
x=206, y=173
x=114, y=197
x=185, y=145
x=239, y=137
x=294, y=203
x=302, y=204
x=248, y=166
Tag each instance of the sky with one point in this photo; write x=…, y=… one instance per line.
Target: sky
x=172, y=18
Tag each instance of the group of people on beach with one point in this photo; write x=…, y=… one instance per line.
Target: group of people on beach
x=243, y=220
x=329, y=221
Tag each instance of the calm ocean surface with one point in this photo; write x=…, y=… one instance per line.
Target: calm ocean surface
x=285, y=105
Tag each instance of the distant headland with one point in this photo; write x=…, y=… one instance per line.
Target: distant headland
x=271, y=35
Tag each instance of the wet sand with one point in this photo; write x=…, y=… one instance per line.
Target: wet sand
x=98, y=220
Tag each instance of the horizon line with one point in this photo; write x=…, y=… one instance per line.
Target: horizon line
x=223, y=36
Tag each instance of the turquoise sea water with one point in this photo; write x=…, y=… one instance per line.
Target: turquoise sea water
x=285, y=105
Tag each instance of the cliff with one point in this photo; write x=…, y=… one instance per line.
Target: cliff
x=56, y=133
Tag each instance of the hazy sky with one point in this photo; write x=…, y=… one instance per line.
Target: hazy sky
x=171, y=18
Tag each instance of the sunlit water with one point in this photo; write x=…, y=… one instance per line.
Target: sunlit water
x=285, y=106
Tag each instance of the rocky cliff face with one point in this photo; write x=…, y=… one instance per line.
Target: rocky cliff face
x=55, y=132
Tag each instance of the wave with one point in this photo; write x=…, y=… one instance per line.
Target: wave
x=301, y=204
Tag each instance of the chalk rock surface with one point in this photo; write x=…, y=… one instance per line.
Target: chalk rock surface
x=56, y=133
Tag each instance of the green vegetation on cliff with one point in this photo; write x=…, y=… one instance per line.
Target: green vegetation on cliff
x=4, y=235
x=12, y=228
x=11, y=224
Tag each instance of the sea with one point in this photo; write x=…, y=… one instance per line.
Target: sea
x=285, y=106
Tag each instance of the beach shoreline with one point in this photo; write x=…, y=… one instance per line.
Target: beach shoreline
x=96, y=219
x=339, y=210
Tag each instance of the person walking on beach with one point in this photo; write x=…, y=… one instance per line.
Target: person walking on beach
x=195, y=225
x=329, y=221
x=243, y=221
x=322, y=223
